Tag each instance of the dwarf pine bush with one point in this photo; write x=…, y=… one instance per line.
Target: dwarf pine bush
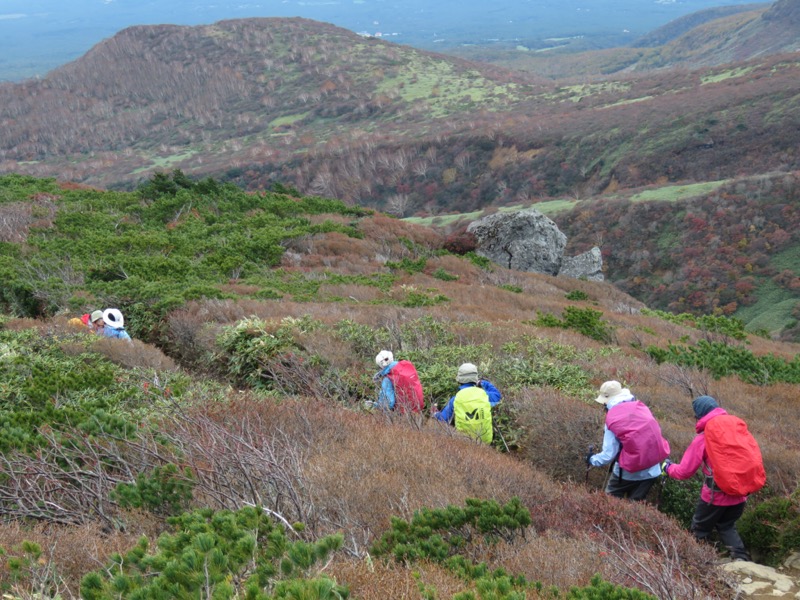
x=447, y=536
x=721, y=359
x=218, y=554
x=166, y=490
x=587, y=321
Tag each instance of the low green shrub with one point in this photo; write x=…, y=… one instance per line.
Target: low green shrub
x=586, y=321
x=166, y=491
x=771, y=529
x=221, y=555
x=678, y=499
x=448, y=536
x=479, y=261
x=443, y=275
x=722, y=359
x=577, y=296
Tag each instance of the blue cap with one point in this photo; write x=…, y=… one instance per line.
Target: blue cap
x=703, y=405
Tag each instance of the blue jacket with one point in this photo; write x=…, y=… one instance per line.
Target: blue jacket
x=446, y=414
x=386, y=395
x=611, y=447
x=113, y=332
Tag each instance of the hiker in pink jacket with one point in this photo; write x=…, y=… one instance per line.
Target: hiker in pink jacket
x=716, y=509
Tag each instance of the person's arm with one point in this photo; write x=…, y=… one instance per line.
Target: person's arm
x=691, y=461
x=446, y=414
x=494, y=394
x=611, y=447
x=386, y=395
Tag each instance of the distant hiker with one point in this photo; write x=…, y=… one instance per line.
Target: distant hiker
x=96, y=323
x=471, y=407
x=401, y=389
x=81, y=322
x=632, y=444
x=113, y=324
x=732, y=466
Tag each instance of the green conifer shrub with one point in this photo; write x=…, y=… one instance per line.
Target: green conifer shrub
x=771, y=529
x=166, y=490
x=222, y=554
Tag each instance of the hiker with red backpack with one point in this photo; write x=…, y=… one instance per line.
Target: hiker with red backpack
x=632, y=444
x=732, y=469
x=401, y=389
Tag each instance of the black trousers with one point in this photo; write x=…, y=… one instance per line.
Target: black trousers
x=708, y=517
x=632, y=490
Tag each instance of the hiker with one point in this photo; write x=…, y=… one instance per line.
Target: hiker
x=471, y=407
x=80, y=322
x=113, y=324
x=95, y=322
x=401, y=389
x=718, y=509
x=632, y=444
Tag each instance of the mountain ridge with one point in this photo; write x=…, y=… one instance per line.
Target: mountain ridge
x=308, y=104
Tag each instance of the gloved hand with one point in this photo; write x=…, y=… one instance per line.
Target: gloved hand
x=664, y=466
x=368, y=404
x=589, y=457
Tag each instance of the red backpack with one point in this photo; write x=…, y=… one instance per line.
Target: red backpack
x=407, y=387
x=736, y=463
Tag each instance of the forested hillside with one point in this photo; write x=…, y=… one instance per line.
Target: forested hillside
x=227, y=451
x=733, y=249
x=318, y=108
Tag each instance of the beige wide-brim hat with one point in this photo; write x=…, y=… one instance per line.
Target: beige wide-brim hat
x=608, y=390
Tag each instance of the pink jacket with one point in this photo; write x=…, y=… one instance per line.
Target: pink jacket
x=696, y=457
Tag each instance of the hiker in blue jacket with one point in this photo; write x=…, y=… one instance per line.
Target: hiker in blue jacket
x=467, y=377
x=114, y=324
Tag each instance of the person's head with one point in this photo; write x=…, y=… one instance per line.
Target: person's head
x=96, y=319
x=113, y=318
x=467, y=373
x=384, y=359
x=608, y=390
x=702, y=405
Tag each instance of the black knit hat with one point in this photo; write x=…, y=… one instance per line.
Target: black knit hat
x=703, y=405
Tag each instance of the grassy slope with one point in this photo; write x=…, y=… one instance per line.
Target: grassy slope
x=299, y=336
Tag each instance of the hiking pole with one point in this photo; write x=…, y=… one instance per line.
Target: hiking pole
x=500, y=433
x=588, y=464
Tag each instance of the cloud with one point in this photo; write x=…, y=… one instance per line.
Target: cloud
x=13, y=16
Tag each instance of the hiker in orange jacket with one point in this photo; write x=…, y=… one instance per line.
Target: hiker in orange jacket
x=716, y=509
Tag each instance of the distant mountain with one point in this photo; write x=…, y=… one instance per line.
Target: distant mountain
x=306, y=104
x=682, y=25
x=738, y=37
x=706, y=38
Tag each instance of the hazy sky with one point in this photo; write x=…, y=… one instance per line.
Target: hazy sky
x=37, y=35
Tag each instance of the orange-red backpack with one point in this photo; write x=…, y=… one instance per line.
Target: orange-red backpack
x=736, y=463
x=407, y=387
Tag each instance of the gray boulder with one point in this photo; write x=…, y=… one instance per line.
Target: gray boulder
x=588, y=265
x=524, y=240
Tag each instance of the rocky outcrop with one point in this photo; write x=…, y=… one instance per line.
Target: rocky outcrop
x=524, y=240
x=588, y=265
x=760, y=582
x=527, y=240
